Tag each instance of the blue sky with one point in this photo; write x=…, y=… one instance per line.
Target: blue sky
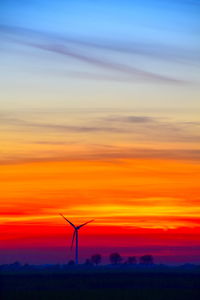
x=105, y=18
x=115, y=48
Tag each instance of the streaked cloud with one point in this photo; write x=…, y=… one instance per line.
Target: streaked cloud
x=131, y=127
x=134, y=216
x=132, y=119
x=121, y=154
x=65, y=47
x=137, y=47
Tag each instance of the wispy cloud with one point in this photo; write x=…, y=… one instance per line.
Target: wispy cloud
x=157, y=128
x=139, y=127
x=137, y=47
x=61, y=139
x=117, y=154
x=84, y=51
x=23, y=124
x=132, y=119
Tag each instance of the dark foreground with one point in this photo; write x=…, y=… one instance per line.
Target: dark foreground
x=100, y=285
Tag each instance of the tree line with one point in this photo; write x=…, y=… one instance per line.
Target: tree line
x=116, y=259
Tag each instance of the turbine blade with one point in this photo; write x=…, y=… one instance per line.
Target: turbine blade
x=68, y=221
x=73, y=239
x=78, y=227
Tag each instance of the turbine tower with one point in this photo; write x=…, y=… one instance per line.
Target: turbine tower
x=75, y=236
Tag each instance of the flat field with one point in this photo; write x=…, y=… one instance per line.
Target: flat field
x=100, y=285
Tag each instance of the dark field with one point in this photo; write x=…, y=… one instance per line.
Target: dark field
x=100, y=285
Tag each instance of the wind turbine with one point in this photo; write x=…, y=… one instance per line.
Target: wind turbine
x=75, y=235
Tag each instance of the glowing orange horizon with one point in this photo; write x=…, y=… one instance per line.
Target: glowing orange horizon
x=116, y=193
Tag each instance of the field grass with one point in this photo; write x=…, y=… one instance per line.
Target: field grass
x=102, y=285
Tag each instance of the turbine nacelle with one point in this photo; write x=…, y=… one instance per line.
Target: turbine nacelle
x=76, y=227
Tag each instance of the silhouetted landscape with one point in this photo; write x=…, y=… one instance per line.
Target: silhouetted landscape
x=93, y=280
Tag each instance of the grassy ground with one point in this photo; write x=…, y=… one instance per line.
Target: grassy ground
x=112, y=285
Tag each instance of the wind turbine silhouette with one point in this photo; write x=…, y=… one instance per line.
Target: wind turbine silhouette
x=75, y=235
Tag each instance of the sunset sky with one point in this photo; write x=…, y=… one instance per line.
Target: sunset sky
x=100, y=119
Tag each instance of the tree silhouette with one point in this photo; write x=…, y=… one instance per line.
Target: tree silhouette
x=96, y=259
x=71, y=263
x=88, y=262
x=146, y=260
x=131, y=260
x=15, y=266
x=115, y=258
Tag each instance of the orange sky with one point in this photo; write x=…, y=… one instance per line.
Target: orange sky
x=119, y=193
x=126, y=171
